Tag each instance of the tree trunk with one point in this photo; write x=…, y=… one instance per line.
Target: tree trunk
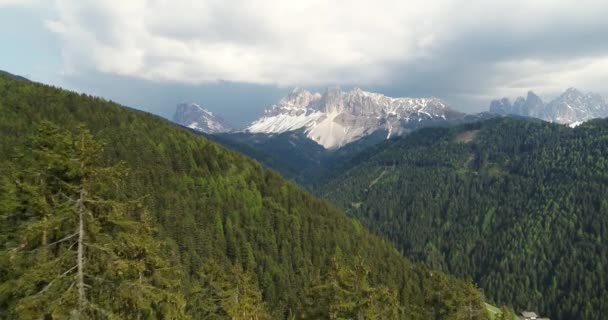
x=81, y=293
x=45, y=242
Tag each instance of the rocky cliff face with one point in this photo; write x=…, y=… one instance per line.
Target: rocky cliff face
x=572, y=107
x=194, y=116
x=336, y=118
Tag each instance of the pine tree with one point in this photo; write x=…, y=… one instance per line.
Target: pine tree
x=345, y=293
x=242, y=299
x=209, y=292
x=227, y=294
x=80, y=249
x=231, y=242
x=470, y=305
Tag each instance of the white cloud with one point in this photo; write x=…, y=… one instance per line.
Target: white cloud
x=282, y=42
x=551, y=78
x=319, y=42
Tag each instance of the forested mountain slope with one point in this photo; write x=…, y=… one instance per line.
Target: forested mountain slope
x=12, y=76
x=304, y=161
x=294, y=155
x=520, y=206
x=245, y=242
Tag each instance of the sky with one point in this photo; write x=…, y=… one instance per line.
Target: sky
x=235, y=57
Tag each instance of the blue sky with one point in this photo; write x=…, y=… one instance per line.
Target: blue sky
x=237, y=56
x=27, y=47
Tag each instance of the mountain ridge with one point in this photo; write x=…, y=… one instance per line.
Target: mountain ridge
x=194, y=116
x=517, y=205
x=336, y=118
x=13, y=76
x=572, y=107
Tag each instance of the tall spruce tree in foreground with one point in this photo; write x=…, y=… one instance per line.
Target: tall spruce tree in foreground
x=76, y=248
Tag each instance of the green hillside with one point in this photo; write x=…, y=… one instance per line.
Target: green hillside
x=519, y=206
x=224, y=237
x=294, y=155
x=12, y=76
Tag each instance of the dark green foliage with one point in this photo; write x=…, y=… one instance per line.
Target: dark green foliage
x=506, y=314
x=519, y=206
x=226, y=294
x=302, y=160
x=12, y=76
x=75, y=247
x=294, y=155
x=345, y=293
x=223, y=219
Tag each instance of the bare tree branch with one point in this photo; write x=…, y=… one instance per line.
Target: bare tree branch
x=52, y=281
x=61, y=240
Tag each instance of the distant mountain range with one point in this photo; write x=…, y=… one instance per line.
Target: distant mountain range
x=572, y=107
x=336, y=118
x=195, y=117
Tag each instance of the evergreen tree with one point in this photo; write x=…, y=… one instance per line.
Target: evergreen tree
x=345, y=293
x=209, y=292
x=226, y=295
x=79, y=249
x=242, y=300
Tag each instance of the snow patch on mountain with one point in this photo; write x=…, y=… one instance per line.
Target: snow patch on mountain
x=284, y=122
x=575, y=124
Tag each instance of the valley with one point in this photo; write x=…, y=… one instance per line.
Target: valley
x=460, y=196
x=226, y=226
x=455, y=197
x=303, y=160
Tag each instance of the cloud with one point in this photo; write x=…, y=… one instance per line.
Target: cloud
x=258, y=41
x=471, y=49
x=18, y=3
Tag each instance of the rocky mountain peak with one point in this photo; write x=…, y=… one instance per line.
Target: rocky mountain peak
x=297, y=90
x=338, y=117
x=502, y=106
x=533, y=97
x=572, y=91
x=194, y=116
x=572, y=106
x=572, y=94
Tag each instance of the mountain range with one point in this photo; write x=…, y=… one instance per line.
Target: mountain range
x=513, y=201
x=336, y=118
x=572, y=107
